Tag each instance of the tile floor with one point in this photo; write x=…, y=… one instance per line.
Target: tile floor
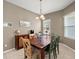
x=65, y=53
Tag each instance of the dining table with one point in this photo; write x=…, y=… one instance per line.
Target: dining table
x=40, y=45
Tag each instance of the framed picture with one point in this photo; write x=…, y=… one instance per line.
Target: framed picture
x=25, y=24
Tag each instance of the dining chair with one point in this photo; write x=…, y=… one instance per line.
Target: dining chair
x=28, y=53
x=53, y=47
x=27, y=48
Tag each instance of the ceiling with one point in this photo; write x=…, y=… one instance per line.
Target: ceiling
x=48, y=6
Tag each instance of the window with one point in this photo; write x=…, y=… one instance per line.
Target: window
x=46, y=26
x=69, y=25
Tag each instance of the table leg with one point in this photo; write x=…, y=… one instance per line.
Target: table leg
x=42, y=52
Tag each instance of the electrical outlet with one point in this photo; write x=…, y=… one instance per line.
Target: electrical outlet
x=5, y=45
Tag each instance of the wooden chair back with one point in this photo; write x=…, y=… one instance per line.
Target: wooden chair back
x=27, y=48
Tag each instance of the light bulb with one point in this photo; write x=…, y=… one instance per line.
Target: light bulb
x=41, y=16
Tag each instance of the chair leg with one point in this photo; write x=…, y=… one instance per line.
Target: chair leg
x=54, y=54
x=58, y=49
x=49, y=55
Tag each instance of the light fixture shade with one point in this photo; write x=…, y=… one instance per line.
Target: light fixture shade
x=17, y=31
x=42, y=17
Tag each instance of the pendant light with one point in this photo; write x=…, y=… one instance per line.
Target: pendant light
x=41, y=17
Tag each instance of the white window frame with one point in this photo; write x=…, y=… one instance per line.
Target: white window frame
x=72, y=14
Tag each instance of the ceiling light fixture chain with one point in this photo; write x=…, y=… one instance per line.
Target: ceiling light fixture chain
x=40, y=6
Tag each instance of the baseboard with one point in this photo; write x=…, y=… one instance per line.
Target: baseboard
x=8, y=50
x=68, y=47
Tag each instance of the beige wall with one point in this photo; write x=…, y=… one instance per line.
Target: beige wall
x=13, y=14
x=57, y=23
x=68, y=41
